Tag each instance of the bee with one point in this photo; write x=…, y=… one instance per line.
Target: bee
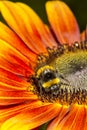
x=48, y=80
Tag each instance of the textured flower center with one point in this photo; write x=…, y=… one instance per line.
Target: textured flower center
x=64, y=78
x=73, y=66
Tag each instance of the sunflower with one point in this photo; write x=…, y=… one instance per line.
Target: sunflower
x=43, y=70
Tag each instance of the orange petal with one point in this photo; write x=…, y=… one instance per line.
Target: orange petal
x=7, y=84
x=9, y=112
x=15, y=97
x=63, y=22
x=11, y=81
x=74, y=119
x=14, y=59
x=11, y=86
x=38, y=27
x=85, y=122
x=32, y=118
x=54, y=123
x=83, y=35
x=9, y=75
x=14, y=65
x=11, y=38
x=26, y=24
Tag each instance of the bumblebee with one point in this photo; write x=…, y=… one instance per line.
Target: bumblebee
x=48, y=80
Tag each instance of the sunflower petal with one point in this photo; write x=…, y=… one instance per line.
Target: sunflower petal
x=85, y=122
x=14, y=59
x=27, y=25
x=7, y=35
x=10, y=81
x=83, y=35
x=38, y=27
x=32, y=118
x=10, y=111
x=63, y=22
x=10, y=85
x=74, y=118
x=54, y=123
x=15, y=97
x=13, y=89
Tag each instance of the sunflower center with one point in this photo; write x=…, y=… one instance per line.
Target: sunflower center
x=73, y=66
x=64, y=78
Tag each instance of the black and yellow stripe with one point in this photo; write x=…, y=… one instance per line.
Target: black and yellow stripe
x=48, y=84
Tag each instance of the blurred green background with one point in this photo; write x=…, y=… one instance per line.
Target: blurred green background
x=79, y=7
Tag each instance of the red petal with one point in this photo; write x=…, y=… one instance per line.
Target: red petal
x=15, y=97
x=13, y=60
